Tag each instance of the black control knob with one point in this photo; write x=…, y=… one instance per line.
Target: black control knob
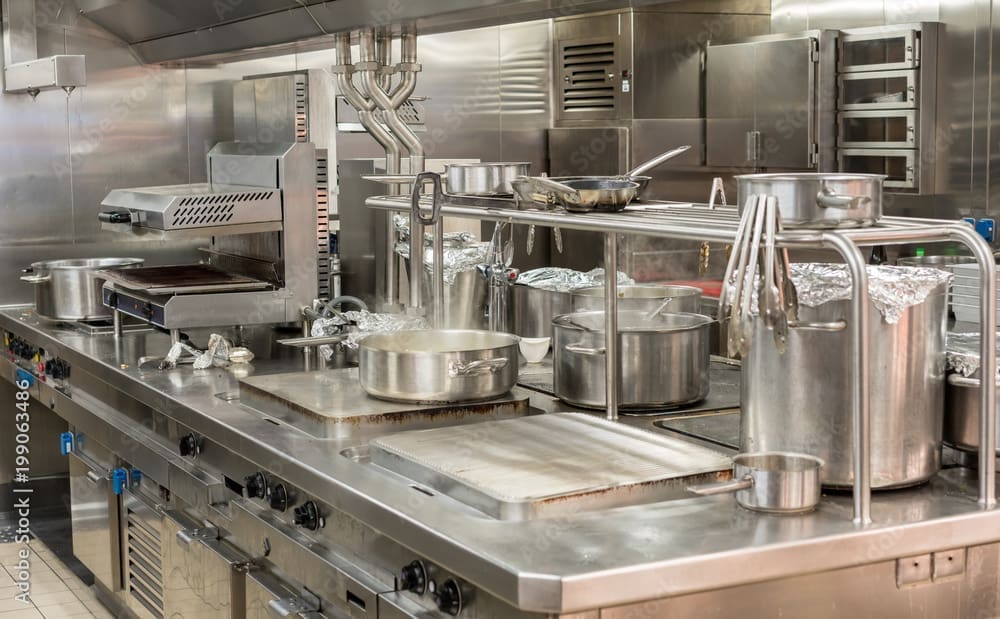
x=279, y=498
x=448, y=597
x=190, y=445
x=413, y=578
x=307, y=516
x=256, y=486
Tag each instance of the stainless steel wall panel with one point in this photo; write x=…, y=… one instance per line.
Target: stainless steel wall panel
x=789, y=15
x=128, y=128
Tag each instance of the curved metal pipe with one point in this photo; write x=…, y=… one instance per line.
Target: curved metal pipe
x=393, y=152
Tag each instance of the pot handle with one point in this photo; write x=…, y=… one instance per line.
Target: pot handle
x=481, y=367
x=964, y=381
x=36, y=279
x=436, y=197
x=584, y=350
x=723, y=487
x=828, y=199
x=831, y=327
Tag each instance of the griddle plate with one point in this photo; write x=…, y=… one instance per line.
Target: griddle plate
x=544, y=465
x=176, y=279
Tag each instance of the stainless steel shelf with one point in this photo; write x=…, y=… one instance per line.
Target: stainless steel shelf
x=696, y=222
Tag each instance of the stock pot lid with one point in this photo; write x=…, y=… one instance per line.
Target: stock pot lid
x=892, y=289
x=633, y=321
x=963, y=354
x=558, y=279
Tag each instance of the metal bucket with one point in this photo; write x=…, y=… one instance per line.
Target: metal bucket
x=800, y=401
x=961, y=413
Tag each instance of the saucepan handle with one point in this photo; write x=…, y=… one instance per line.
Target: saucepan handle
x=723, y=487
x=481, y=367
x=436, y=197
x=831, y=327
x=828, y=199
x=35, y=278
x=584, y=350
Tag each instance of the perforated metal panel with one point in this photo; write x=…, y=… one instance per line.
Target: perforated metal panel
x=200, y=205
x=142, y=544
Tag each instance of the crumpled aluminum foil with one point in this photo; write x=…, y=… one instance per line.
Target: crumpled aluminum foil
x=558, y=279
x=891, y=289
x=963, y=354
x=360, y=324
x=457, y=259
x=402, y=223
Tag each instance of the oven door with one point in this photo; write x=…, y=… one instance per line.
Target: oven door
x=94, y=519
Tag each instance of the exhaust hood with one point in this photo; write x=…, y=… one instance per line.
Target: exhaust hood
x=164, y=30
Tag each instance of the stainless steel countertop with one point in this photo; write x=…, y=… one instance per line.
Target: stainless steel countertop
x=562, y=564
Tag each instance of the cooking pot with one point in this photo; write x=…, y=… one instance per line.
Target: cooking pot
x=961, y=413
x=817, y=200
x=70, y=289
x=663, y=359
x=484, y=179
x=642, y=297
x=780, y=483
x=534, y=309
x=800, y=401
x=436, y=366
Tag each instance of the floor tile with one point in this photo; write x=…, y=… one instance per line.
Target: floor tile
x=42, y=600
x=10, y=604
x=27, y=613
x=57, y=611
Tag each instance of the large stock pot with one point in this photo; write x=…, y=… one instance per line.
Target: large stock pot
x=70, y=289
x=642, y=297
x=663, y=359
x=801, y=400
x=438, y=365
x=962, y=395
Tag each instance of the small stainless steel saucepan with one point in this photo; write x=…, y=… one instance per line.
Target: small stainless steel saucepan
x=773, y=482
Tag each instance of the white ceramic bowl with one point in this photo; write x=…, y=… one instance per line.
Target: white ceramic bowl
x=534, y=349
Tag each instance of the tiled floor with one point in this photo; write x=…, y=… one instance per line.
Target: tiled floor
x=55, y=591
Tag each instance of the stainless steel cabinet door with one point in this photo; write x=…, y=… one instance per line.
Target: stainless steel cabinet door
x=760, y=101
x=729, y=99
x=202, y=577
x=94, y=522
x=785, y=101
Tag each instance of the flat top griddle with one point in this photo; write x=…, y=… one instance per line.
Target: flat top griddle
x=550, y=464
x=181, y=279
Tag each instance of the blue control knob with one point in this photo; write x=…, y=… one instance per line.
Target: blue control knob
x=119, y=480
x=67, y=443
x=24, y=376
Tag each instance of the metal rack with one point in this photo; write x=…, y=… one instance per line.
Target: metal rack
x=699, y=223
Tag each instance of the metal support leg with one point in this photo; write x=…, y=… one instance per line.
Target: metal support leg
x=116, y=318
x=438, y=292
x=175, y=336
x=611, y=322
x=988, y=360
x=860, y=386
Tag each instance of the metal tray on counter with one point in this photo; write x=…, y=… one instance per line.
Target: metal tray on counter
x=182, y=279
x=547, y=465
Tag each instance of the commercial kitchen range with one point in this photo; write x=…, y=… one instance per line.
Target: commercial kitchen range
x=266, y=404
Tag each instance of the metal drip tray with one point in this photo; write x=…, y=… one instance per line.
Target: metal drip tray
x=545, y=465
x=332, y=404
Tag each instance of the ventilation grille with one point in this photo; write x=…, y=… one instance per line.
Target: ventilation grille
x=585, y=70
x=301, y=110
x=323, y=227
x=212, y=210
x=144, y=572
